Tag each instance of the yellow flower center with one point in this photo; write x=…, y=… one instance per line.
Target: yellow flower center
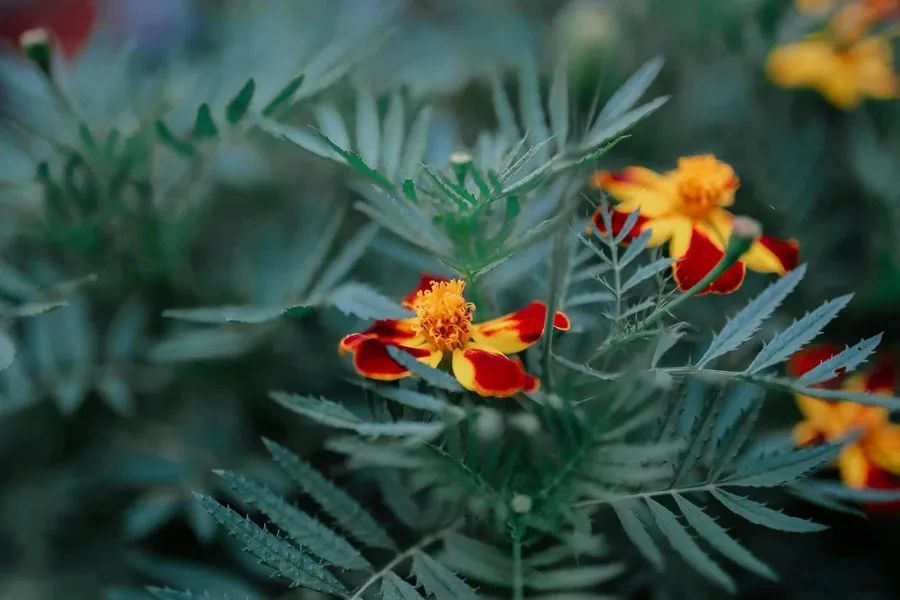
x=703, y=184
x=443, y=316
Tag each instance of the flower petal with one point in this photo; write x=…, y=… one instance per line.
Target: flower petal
x=637, y=188
x=388, y=330
x=879, y=479
x=803, y=64
x=697, y=260
x=517, y=331
x=423, y=286
x=882, y=378
x=883, y=447
x=809, y=358
x=483, y=370
x=771, y=255
x=854, y=466
x=618, y=224
x=820, y=414
x=806, y=434
x=371, y=359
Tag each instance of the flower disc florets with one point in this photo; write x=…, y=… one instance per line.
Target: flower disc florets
x=443, y=315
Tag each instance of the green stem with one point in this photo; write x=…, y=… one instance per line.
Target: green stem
x=518, y=583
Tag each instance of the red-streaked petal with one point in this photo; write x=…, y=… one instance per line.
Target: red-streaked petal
x=423, y=286
x=618, y=224
x=699, y=259
x=882, y=378
x=70, y=21
x=489, y=373
x=517, y=331
x=388, y=330
x=879, y=479
x=637, y=188
x=811, y=357
x=371, y=360
x=771, y=255
x=349, y=343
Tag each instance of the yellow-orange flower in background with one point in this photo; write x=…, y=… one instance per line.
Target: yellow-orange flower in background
x=687, y=208
x=443, y=329
x=873, y=461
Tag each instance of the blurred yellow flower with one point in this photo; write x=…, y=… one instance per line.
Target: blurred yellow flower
x=844, y=74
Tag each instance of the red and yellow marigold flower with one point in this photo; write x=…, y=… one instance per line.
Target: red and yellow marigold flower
x=687, y=208
x=873, y=461
x=443, y=332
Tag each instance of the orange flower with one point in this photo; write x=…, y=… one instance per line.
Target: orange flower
x=843, y=73
x=443, y=329
x=873, y=461
x=71, y=21
x=685, y=207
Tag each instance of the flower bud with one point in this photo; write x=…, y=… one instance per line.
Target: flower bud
x=37, y=46
x=521, y=504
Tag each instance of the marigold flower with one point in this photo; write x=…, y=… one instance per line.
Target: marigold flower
x=71, y=21
x=443, y=329
x=685, y=207
x=873, y=461
x=844, y=74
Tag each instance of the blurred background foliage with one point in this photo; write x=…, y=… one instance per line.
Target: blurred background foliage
x=114, y=413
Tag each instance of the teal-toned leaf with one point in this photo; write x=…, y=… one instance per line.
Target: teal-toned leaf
x=630, y=92
x=615, y=128
x=115, y=393
x=362, y=301
x=364, y=454
x=559, y=104
x=589, y=298
x=392, y=138
x=350, y=254
x=645, y=272
x=201, y=344
x=33, y=309
x=414, y=399
x=356, y=163
x=777, y=469
x=760, y=514
x=125, y=335
x=169, y=139
x=733, y=427
x=237, y=108
x=799, y=334
x=148, y=513
x=225, y=314
x=7, y=351
x=298, y=137
x=435, y=377
x=684, y=544
x=416, y=143
x=668, y=337
x=283, y=97
x=352, y=517
x=747, y=322
x=319, y=410
x=394, y=588
x=201, y=522
x=504, y=111
x=167, y=594
x=479, y=561
x=707, y=528
x=439, y=581
x=307, y=532
x=332, y=125
x=638, y=534
x=288, y=561
x=848, y=360
x=531, y=109
x=575, y=577
x=629, y=224
x=636, y=247
x=204, y=126
x=368, y=129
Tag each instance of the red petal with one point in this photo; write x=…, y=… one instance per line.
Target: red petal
x=811, y=357
x=882, y=378
x=423, y=286
x=371, y=359
x=491, y=373
x=517, y=331
x=71, y=21
x=387, y=330
x=879, y=479
x=618, y=224
x=701, y=257
x=787, y=252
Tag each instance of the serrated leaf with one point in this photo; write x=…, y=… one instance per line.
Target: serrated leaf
x=684, y=544
x=416, y=143
x=7, y=351
x=631, y=91
x=201, y=344
x=638, y=534
x=589, y=298
x=352, y=517
x=356, y=163
x=435, y=377
x=167, y=594
x=362, y=301
x=630, y=221
x=777, y=469
x=414, y=399
x=733, y=427
x=637, y=245
x=350, y=254
x=288, y=561
x=797, y=335
x=204, y=126
x=848, y=360
x=364, y=454
x=575, y=577
x=332, y=125
x=368, y=129
x=392, y=138
x=318, y=539
x=646, y=272
x=439, y=581
x=169, y=139
x=559, y=104
x=394, y=588
x=707, y=528
x=747, y=322
x=225, y=314
x=667, y=340
x=303, y=139
x=760, y=514
x=478, y=560
x=238, y=106
x=617, y=127
x=284, y=96
x=33, y=309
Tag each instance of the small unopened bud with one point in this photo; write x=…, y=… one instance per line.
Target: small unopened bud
x=37, y=45
x=461, y=163
x=489, y=424
x=525, y=422
x=746, y=228
x=521, y=504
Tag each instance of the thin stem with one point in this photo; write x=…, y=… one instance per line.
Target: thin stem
x=706, y=487
x=518, y=583
x=408, y=553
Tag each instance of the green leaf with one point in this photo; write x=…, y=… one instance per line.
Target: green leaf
x=799, y=334
x=201, y=344
x=148, y=513
x=638, y=534
x=531, y=109
x=352, y=517
x=707, y=528
x=504, y=111
x=115, y=393
x=169, y=139
x=414, y=399
x=283, y=97
x=332, y=125
x=392, y=138
x=394, y=588
x=645, y=272
x=33, y=309
x=167, y=594
x=435, y=377
x=368, y=129
x=351, y=253
x=600, y=135
x=225, y=314
x=288, y=561
x=204, y=126
x=575, y=577
x=362, y=301
x=684, y=544
x=416, y=142
x=777, y=469
x=478, y=560
x=747, y=322
x=7, y=351
x=303, y=139
x=631, y=91
x=760, y=514
x=559, y=104
x=365, y=454
x=237, y=108
x=305, y=531
x=848, y=360
x=439, y=581
x=358, y=164
x=733, y=428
